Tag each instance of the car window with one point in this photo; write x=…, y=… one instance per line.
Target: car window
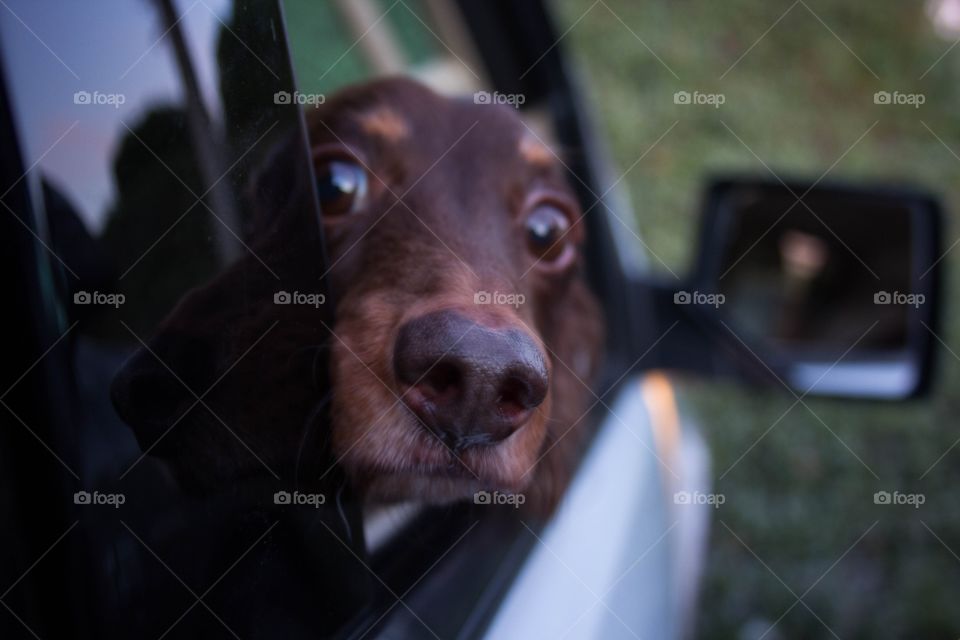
x=166, y=180
x=160, y=167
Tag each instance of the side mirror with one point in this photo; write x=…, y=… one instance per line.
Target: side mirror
x=832, y=288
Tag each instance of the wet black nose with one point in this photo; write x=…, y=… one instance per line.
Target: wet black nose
x=469, y=384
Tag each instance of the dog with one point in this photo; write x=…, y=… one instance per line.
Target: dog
x=462, y=342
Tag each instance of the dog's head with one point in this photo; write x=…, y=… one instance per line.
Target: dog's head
x=464, y=336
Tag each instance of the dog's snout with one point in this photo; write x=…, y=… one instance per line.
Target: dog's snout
x=468, y=383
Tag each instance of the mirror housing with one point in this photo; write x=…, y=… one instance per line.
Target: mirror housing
x=832, y=289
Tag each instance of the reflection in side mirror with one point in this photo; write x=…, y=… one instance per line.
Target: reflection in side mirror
x=833, y=287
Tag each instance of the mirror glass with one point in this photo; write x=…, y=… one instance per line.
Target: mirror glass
x=829, y=284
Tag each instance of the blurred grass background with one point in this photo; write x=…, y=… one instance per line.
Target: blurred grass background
x=801, y=497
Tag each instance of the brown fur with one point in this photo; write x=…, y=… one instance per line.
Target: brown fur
x=448, y=186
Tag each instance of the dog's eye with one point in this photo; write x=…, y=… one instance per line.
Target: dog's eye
x=546, y=226
x=341, y=187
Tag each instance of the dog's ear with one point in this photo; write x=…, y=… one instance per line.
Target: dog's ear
x=155, y=388
x=192, y=347
x=210, y=333
x=160, y=382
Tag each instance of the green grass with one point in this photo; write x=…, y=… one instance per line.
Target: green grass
x=801, y=498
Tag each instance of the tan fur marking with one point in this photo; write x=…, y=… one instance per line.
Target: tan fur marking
x=534, y=152
x=385, y=123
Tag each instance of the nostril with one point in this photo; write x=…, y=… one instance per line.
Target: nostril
x=442, y=383
x=513, y=399
x=518, y=394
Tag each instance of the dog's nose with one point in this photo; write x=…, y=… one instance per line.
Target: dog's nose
x=469, y=384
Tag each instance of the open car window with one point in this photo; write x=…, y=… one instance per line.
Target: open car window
x=164, y=215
